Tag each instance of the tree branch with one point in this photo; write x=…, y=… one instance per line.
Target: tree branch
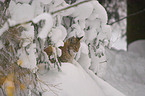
x=74, y=5
x=133, y=14
x=52, y=13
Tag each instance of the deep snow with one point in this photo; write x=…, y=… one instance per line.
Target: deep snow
x=126, y=70
x=75, y=81
x=124, y=77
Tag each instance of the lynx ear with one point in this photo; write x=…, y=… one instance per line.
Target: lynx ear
x=80, y=37
x=60, y=47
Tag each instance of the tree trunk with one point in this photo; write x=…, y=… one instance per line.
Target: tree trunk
x=135, y=23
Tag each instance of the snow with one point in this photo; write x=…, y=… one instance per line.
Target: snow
x=137, y=47
x=124, y=77
x=117, y=42
x=116, y=73
x=19, y=12
x=37, y=7
x=28, y=60
x=56, y=2
x=45, y=1
x=74, y=81
x=83, y=11
x=23, y=1
x=28, y=35
x=77, y=31
x=2, y=0
x=125, y=71
x=48, y=24
x=101, y=12
x=91, y=34
x=4, y=28
x=83, y=57
x=57, y=35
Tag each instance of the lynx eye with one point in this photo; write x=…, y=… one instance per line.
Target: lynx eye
x=72, y=40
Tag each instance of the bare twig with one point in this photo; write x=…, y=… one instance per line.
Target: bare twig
x=21, y=24
x=50, y=86
x=133, y=14
x=74, y=5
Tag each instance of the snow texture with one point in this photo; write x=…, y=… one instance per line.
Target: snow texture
x=19, y=12
x=28, y=35
x=83, y=11
x=137, y=47
x=37, y=7
x=45, y=1
x=48, y=24
x=125, y=71
x=23, y=1
x=57, y=35
x=28, y=57
x=4, y=28
x=74, y=81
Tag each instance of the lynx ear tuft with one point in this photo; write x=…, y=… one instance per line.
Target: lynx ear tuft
x=80, y=37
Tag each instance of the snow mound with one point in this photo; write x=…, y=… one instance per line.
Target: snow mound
x=125, y=71
x=74, y=81
x=137, y=47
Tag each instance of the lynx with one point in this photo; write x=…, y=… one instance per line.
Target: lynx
x=71, y=46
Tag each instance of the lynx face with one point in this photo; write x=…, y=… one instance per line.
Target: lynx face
x=74, y=43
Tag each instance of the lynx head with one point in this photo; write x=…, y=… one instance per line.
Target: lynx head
x=74, y=43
